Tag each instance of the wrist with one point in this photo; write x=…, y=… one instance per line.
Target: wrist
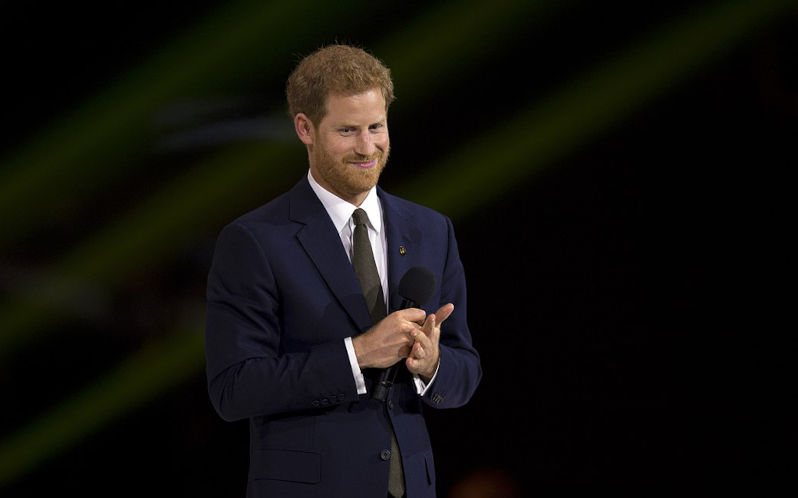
x=361, y=355
x=428, y=375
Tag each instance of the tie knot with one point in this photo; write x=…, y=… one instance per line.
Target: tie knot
x=360, y=217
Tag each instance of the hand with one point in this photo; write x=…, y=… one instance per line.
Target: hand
x=389, y=340
x=425, y=353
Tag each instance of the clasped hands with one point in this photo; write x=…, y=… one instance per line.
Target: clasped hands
x=409, y=334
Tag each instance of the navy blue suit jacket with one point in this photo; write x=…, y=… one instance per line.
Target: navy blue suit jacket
x=282, y=296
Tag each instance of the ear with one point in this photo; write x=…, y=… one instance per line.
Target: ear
x=304, y=128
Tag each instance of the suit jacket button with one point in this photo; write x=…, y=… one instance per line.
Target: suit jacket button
x=315, y=403
x=385, y=455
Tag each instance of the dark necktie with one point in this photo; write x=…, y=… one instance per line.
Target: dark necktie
x=369, y=278
x=366, y=268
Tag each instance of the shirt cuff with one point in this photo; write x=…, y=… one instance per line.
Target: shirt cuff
x=360, y=382
x=421, y=387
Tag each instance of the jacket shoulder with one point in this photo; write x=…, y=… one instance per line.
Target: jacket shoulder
x=410, y=208
x=273, y=211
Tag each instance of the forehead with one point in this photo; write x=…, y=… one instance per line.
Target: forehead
x=360, y=108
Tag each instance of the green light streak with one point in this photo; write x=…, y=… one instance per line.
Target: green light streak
x=512, y=153
x=456, y=35
x=99, y=141
x=200, y=199
x=158, y=367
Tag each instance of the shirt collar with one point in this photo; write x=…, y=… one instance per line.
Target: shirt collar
x=340, y=211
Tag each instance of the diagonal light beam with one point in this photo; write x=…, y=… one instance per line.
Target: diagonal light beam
x=160, y=366
x=589, y=106
x=97, y=142
x=163, y=223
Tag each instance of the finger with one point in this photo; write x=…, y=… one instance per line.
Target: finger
x=435, y=335
x=414, y=315
x=410, y=330
x=414, y=365
x=443, y=313
x=421, y=338
x=429, y=326
x=418, y=352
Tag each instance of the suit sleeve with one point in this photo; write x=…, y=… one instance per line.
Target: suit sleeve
x=248, y=373
x=459, y=371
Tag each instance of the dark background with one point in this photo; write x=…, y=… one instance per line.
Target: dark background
x=625, y=297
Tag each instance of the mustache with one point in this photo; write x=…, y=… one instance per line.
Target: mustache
x=363, y=159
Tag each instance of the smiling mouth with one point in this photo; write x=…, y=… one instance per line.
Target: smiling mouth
x=364, y=163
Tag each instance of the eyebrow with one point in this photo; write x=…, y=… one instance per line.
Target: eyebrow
x=345, y=125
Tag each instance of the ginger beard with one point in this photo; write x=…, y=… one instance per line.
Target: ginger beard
x=343, y=178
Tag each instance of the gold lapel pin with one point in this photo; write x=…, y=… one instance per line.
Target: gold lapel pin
x=402, y=250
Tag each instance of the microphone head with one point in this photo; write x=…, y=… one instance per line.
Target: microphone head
x=417, y=285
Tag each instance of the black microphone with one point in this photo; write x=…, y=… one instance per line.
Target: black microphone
x=415, y=288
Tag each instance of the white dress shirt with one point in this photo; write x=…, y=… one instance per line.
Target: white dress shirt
x=340, y=212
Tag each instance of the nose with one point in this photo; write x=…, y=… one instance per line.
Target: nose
x=365, y=144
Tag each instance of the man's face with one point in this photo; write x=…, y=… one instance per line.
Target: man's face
x=350, y=146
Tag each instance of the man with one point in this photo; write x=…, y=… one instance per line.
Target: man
x=303, y=307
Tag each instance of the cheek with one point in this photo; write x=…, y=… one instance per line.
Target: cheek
x=338, y=148
x=382, y=142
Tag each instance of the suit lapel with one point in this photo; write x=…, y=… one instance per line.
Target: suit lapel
x=323, y=245
x=403, y=243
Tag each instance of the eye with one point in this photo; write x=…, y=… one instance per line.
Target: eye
x=376, y=127
x=346, y=131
